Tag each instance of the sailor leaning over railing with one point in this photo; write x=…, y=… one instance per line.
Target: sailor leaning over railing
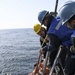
x=67, y=15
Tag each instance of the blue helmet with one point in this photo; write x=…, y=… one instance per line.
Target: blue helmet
x=42, y=15
x=67, y=11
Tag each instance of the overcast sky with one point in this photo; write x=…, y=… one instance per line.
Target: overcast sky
x=23, y=13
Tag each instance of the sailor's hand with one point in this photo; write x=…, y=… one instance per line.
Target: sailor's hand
x=41, y=51
x=72, y=49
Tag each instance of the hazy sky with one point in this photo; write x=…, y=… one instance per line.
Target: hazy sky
x=23, y=13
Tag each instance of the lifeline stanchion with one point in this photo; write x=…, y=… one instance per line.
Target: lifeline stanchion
x=55, y=61
x=45, y=63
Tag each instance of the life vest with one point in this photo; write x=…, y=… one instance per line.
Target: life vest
x=61, y=31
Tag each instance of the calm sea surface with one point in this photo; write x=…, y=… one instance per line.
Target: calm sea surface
x=19, y=50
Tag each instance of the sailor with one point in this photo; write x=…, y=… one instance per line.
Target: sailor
x=41, y=31
x=59, y=35
x=67, y=15
x=44, y=40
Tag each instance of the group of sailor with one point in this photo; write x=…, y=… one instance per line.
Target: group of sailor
x=55, y=32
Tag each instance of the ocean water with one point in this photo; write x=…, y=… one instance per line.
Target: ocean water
x=19, y=51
